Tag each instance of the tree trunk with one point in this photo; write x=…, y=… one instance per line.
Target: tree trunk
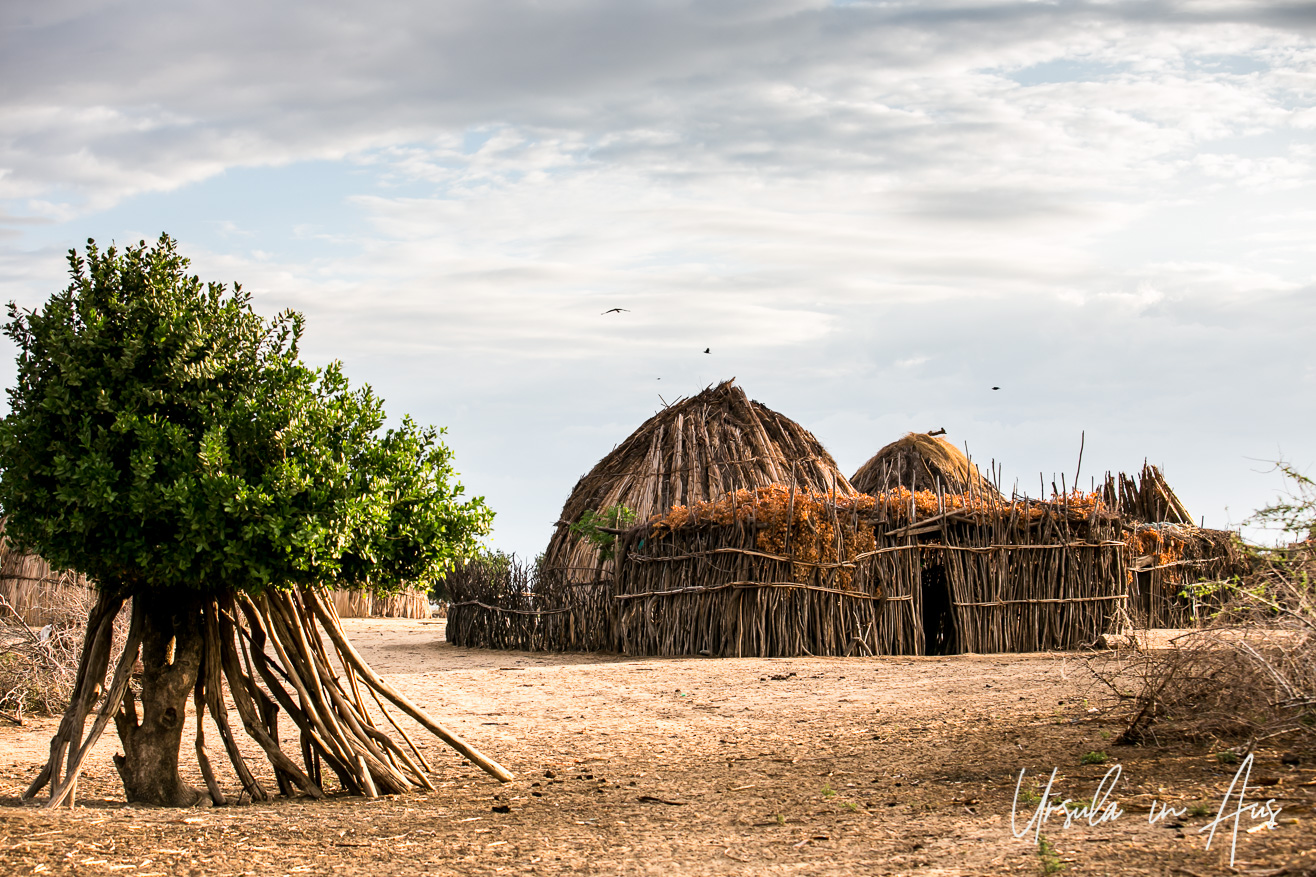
x=171, y=657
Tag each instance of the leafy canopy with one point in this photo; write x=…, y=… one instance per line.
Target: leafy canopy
x=161, y=434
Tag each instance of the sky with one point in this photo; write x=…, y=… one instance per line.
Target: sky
x=870, y=214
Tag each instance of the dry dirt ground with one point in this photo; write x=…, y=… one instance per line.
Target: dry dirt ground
x=704, y=766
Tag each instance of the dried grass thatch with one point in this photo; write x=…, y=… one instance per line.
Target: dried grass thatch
x=922, y=462
x=695, y=450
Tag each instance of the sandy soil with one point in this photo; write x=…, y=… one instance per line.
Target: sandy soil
x=696, y=766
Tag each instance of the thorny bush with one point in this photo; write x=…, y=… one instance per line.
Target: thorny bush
x=1248, y=675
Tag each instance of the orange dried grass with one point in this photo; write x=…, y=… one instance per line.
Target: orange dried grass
x=927, y=503
x=1164, y=547
x=810, y=528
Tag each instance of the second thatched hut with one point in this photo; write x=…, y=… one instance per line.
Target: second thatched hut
x=922, y=462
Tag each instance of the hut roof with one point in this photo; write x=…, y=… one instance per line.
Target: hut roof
x=921, y=462
x=696, y=449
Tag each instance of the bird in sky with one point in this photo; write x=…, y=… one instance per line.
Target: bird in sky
x=706, y=350
x=617, y=311
x=941, y=431
x=996, y=388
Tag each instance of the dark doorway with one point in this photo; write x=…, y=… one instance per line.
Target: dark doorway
x=1143, y=582
x=939, y=635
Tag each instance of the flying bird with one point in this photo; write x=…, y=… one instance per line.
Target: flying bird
x=706, y=350
x=617, y=311
x=996, y=388
x=941, y=431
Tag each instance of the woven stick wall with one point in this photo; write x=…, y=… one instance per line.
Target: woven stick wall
x=938, y=573
x=363, y=604
x=512, y=607
x=1017, y=576
x=776, y=572
x=767, y=573
x=695, y=450
x=1014, y=576
x=1166, y=560
x=38, y=594
x=1168, y=552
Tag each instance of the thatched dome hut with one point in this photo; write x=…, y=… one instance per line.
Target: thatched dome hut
x=922, y=462
x=696, y=449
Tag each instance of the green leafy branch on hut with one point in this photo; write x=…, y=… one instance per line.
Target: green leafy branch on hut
x=601, y=528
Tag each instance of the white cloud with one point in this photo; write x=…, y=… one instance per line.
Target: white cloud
x=861, y=207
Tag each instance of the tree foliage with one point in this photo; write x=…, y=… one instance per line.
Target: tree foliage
x=162, y=434
x=167, y=441
x=1295, y=511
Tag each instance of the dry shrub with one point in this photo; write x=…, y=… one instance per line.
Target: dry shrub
x=1248, y=675
x=38, y=666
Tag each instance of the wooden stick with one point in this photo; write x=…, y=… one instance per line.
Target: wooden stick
x=346, y=650
x=240, y=687
x=92, y=665
x=203, y=760
x=747, y=585
x=119, y=685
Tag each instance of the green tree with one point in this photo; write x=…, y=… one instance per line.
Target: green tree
x=1295, y=511
x=168, y=441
